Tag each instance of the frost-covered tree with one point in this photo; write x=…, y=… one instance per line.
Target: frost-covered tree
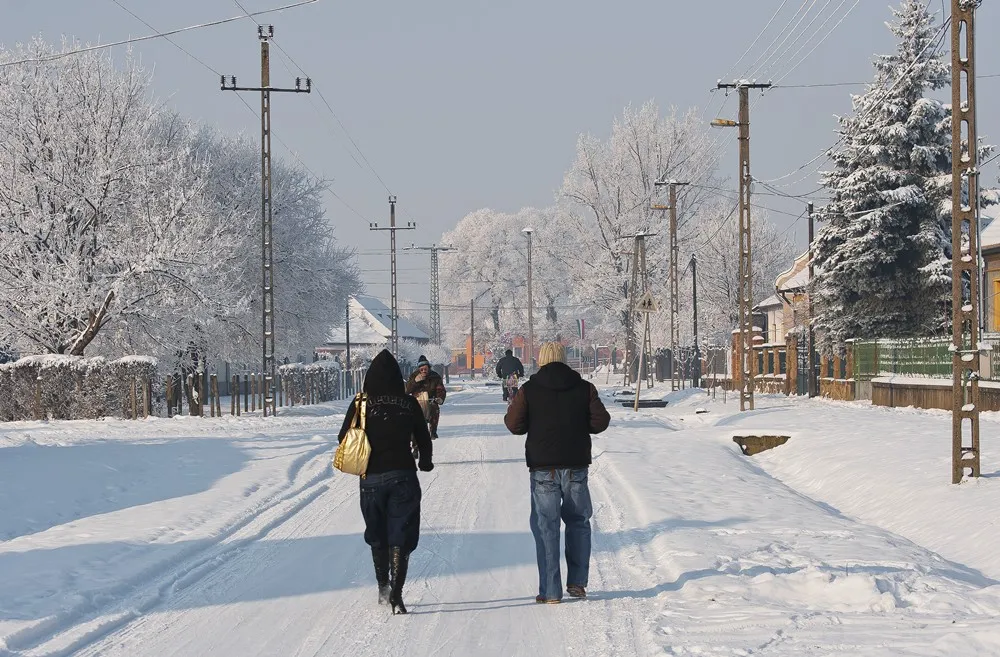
x=883, y=255
x=101, y=212
x=125, y=229
x=718, y=268
x=606, y=198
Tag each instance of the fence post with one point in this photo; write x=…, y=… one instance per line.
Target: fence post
x=253, y=392
x=233, y=396
x=135, y=393
x=147, y=401
x=38, y=398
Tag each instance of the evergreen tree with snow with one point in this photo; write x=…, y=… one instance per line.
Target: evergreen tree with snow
x=883, y=255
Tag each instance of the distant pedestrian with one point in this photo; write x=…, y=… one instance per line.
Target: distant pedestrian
x=558, y=411
x=390, y=491
x=508, y=366
x=426, y=385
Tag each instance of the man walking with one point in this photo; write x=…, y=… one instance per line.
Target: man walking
x=427, y=381
x=508, y=366
x=558, y=411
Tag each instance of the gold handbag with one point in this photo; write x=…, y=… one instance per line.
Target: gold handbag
x=354, y=450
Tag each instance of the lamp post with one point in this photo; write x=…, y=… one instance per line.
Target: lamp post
x=531, y=319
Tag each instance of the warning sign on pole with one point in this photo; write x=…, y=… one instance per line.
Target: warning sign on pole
x=647, y=304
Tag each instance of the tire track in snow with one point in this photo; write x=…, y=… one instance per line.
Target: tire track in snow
x=82, y=624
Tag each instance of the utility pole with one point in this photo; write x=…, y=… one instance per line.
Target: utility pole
x=696, y=382
x=266, y=233
x=965, y=278
x=392, y=228
x=640, y=279
x=472, y=338
x=531, y=307
x=348, y=371
x=811, y=346
x=674, y=280
x=747, y=360
x=435, y=287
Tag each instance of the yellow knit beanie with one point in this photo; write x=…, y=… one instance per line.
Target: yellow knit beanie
x=551, y=352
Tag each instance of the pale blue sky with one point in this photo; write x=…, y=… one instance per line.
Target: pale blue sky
x=463, y=104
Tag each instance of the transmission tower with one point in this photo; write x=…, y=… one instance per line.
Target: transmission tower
x=637, y=289
x=266, y=234
x=435, y=287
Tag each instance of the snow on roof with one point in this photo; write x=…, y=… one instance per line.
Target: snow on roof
x=797, y=280
x=371, y=324
x=771, y=302
x=990, y=233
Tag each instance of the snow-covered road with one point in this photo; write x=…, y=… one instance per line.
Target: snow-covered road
x=233, y=537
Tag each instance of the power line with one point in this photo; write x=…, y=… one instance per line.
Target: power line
x=823, y=40
x=159, y=35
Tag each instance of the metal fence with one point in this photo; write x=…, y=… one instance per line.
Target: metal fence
x=923, y=357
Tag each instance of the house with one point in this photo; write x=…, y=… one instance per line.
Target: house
x=989, y=246
x=788, y=307
x=769, y=317
x=370, y=325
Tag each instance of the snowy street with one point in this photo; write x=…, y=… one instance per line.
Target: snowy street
x=234, y=537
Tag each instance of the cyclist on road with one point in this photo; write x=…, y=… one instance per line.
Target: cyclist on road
x=507, y=367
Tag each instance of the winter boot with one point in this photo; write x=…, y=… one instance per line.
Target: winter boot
x=380, y=557
x=400, y=561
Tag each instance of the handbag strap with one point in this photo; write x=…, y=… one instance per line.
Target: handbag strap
x=360, y=407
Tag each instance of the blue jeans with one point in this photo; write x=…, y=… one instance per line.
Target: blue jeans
x=390, y=504
x=561, y=494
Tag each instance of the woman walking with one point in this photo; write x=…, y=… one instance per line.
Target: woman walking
x=390, y=491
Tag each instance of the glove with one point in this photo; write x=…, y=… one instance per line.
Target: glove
x=426, y=466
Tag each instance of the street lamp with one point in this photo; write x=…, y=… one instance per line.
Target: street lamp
x=531, y=321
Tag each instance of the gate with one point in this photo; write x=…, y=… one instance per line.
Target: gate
x=802, y=365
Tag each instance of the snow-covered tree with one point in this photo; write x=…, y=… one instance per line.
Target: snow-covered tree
x=606, y=198
x=883, y=255
x=718, y=268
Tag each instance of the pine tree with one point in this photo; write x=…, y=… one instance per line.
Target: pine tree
x=883, y=257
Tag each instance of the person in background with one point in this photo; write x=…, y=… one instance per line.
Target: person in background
x=390, y=490
x=426, y=380
x=507, y=367
x=558, y=411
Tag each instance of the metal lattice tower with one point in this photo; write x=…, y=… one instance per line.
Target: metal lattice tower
x=394, y=310
x=746, y=356
x=435, y=287
x=266, y=233
x=965, y=279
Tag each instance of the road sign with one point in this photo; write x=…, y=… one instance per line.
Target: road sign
x=647, y=304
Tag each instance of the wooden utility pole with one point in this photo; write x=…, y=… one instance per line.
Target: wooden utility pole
x=266, y=233
x=674, y=278
x=638, y=287
x=746, y=356
x=348, y=371
x=811, y=346
x=531, y=307
x=393, y=311
x=472, y=338
x=435, y=287
x=696, y=377
x=965, y=279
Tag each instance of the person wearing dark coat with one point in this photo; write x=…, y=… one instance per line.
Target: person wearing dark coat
x=558, y=411
x=424, y=379
x=390, y=490
x=506, y=366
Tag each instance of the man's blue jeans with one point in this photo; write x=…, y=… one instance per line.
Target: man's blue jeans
x=561, y=494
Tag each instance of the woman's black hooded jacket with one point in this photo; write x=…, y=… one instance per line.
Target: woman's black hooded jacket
x=392, y=421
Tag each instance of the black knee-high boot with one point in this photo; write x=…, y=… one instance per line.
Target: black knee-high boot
x=380, y=557
x=400, y=562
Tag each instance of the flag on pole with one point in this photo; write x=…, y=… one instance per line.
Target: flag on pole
x=581, y=328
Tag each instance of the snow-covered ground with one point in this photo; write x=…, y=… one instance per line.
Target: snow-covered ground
x=233, y=537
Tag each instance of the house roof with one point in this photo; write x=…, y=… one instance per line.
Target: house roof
x=371, y=323
x=796, y=277
x=771, y=302
x=989, y=236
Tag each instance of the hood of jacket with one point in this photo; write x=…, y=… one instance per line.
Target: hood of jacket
x=384, y=376
x=556, y=376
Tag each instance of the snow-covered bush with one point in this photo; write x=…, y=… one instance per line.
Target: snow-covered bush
x=59, y=387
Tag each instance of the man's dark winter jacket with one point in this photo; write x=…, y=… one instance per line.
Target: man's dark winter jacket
x=431, y=384
x=392, y=421
x=558, y=410
x=510, y=365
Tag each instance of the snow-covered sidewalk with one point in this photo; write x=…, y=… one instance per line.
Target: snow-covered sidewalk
x=233, y=537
